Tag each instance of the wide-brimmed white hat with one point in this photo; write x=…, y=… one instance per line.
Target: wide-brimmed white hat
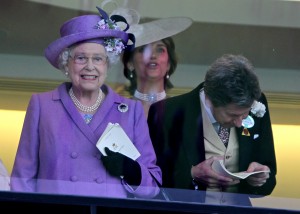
x=151, y=31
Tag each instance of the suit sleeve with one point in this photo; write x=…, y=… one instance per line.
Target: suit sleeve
x=263, y=152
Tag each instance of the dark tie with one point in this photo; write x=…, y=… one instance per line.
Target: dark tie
x=224, y=135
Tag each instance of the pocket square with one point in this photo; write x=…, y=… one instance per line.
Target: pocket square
x=255, y=136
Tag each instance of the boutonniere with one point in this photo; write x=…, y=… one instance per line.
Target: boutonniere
x=258, y=109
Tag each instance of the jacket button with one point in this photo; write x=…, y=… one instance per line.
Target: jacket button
x=98, y=156
x=99, y=180
x=74, y=178
x=74, y=155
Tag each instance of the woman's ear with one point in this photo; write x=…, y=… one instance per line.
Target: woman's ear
x=169, y=67
x=130, y=66
x=66, y=70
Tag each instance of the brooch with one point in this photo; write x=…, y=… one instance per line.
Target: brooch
x=246, y=132
x=123, y=107
x=248, y=122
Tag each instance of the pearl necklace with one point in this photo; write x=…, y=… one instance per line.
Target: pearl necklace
x=84, y=108
x=152, y=98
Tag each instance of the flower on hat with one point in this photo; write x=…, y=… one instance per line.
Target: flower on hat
x=112, y=45
x=258, y=109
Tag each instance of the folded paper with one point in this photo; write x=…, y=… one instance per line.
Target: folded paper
x=115, y=138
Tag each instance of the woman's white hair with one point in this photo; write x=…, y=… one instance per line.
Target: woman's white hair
x=65, y=55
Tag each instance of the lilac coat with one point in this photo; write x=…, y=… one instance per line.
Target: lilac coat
x=57, y=151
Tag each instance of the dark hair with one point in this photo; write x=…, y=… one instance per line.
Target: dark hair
x=231, y=79
x=128, y=55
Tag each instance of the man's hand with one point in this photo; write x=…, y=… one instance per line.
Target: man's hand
x=203, y=173
x=259, y=179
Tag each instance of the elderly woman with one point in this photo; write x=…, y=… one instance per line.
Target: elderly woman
x=57, y=151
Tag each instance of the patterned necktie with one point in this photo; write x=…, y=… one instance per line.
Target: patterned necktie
x=224, y=135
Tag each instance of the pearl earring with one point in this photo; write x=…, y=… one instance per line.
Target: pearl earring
x=167, y=76
x=66, y=73
x=131, y=72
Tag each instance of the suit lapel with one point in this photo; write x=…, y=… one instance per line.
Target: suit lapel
x=245, y=146
x=193, y=142
x=74, y=114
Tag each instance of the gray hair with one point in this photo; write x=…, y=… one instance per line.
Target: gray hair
x=231, y=79
x=65, y=55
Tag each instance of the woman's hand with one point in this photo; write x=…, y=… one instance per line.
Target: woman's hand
x=120, y=165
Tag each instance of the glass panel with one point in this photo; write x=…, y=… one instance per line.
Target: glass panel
x=265, y=31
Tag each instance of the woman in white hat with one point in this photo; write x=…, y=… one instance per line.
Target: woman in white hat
x=57, y=151
x=154, y=60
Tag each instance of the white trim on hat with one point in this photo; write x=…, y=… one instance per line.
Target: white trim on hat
x=156, y=30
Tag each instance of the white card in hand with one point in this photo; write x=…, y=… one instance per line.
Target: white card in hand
x=115, y=138
x=218, y=166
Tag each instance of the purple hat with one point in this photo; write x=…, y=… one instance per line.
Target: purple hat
x=91, y=27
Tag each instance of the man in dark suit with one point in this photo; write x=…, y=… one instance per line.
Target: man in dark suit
x=184, y=131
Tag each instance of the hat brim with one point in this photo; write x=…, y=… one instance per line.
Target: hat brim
x=55, y=48
x=149, y=32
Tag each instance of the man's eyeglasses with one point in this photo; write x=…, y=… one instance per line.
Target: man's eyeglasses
x=97, y=60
